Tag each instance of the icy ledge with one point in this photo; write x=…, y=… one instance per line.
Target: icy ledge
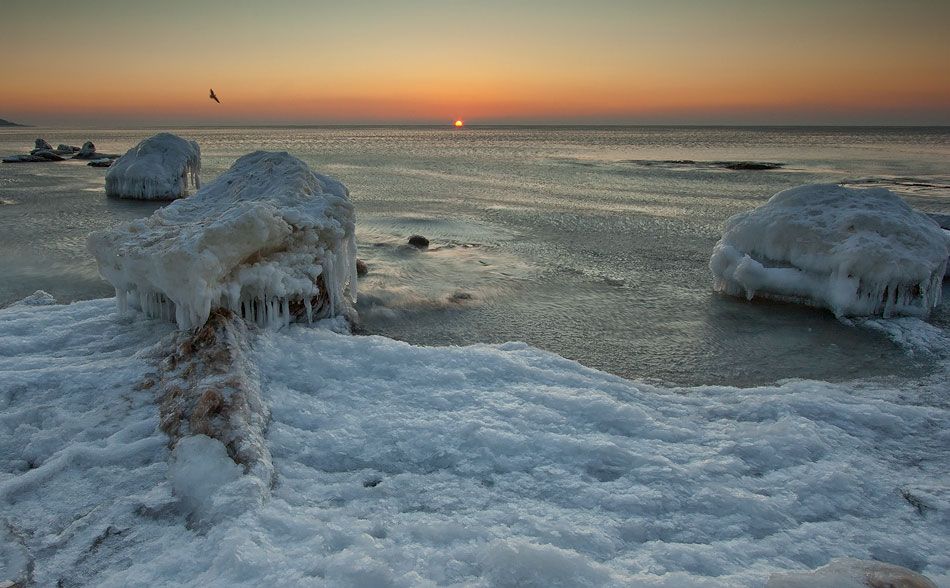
x=854, y=251
x=158, y=168
x=270, y=240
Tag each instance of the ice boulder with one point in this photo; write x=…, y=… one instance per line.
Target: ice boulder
x=269, y=239
x=158, y=168
x=853, y=251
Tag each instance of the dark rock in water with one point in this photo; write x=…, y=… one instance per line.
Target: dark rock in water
x=7, y=123
x=419, y=241
x=63, y=149
x=361, y=268
x=460, y=295
x=104, y=162
x=751, y=165
x=29, y=158
x=21, y=159
x=47, y=155
x=41, y=145
x=88, y=151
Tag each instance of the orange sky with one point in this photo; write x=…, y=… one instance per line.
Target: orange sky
x=305, y=62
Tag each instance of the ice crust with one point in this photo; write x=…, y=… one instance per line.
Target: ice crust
x=487, y=465
x=269, y=239
x=158, y=168
x=854, y=251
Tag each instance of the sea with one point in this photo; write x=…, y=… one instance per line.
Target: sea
x=590, y=242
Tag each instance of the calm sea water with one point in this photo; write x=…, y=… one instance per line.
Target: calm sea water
x=588, y=242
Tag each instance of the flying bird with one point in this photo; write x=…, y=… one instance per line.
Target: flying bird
x=213, y=97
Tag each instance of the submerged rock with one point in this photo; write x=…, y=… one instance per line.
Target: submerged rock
x=418, y=241
x=853, y=251
x=159, y=168
x=269, y=239
x=751, y=165
x=361, y=268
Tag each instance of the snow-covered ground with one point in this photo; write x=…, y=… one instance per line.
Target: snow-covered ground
x=488, y=465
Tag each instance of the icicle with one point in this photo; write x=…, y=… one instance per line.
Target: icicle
x=121, y=300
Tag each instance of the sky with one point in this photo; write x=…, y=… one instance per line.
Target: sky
x=129, y=62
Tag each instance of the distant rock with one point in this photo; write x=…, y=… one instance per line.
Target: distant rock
x=750, y=165
x=41, y=145
x=47, y=155
x=6, y=123
x=64, y=149
x=104, y=162
x=419, y=242
x=87, y=151
x=29, y=158
x=361, y=268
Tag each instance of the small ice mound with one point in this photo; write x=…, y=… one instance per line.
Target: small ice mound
x=158, y=168
x=854, y=251
x=38, y=298
x=269, y=239
x=852, y=573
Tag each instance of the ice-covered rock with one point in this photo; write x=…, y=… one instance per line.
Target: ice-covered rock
x=158, y=168
x=853, y=251
x=269, y=239
x=62, y=148
x=852, y=573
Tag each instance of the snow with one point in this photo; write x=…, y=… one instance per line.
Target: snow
x=486, y=465
x=853, y=251
x=158, y=168
x=269, y=239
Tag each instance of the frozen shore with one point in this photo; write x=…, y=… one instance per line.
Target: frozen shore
x=487, y=465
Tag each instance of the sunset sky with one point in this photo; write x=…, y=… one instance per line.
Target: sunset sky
x=487, y=62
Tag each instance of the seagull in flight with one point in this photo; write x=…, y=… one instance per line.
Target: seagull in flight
x=213, y=97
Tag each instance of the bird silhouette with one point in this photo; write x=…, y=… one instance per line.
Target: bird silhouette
x=213, y=97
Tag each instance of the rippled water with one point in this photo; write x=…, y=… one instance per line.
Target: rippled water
x=591, y=243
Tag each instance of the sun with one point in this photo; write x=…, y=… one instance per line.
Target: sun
x=459, y=123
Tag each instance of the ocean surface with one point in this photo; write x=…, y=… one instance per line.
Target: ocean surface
x=592, y=243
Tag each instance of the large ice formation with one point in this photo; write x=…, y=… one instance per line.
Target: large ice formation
x=853, y=251
x=158, y=168
x=269, y=239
